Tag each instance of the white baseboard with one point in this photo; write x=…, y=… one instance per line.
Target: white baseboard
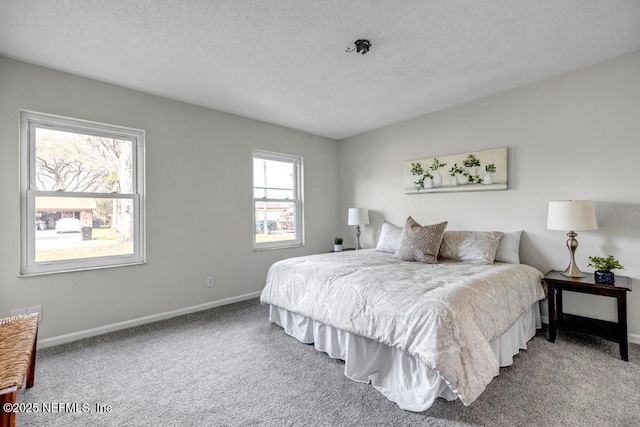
x=87, y=333
x=633, y=338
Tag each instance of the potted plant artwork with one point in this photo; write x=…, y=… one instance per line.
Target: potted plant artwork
x=425, y=180
x=337, y=244
x=473, y=178
x=603, y=266
x=471, y=163
x=489, y=170
x=458, y=176
x=484, y=170
x=437, y=178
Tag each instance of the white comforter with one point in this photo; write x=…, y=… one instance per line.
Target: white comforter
x=444, y=314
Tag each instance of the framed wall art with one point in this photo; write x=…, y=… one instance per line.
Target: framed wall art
x=473, y=171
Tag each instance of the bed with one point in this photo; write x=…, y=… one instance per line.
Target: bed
x=416, y=331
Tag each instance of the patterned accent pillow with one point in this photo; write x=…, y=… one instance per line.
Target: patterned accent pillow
x=420, y=243
x=390, y=235
x=471, y=246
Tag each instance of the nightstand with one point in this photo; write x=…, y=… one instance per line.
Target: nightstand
x=612, y=331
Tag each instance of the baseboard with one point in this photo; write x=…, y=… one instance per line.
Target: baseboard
x=75, y=336
x=633, y=338
x=87, y=333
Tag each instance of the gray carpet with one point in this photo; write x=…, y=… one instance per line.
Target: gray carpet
x=230, y=366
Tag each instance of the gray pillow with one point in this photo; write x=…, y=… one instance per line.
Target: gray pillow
x=420, y=243
x=390, y=235
x=509, y=247
x=471, y=246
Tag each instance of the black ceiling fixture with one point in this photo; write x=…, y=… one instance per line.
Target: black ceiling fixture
x=362, y=46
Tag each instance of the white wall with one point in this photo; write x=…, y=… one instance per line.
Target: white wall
x=575, y=136
x=199, y=202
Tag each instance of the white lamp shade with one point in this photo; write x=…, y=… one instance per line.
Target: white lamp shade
x=358, y=216
x=571, y=215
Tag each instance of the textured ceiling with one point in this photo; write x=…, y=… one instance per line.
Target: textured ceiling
x=284, y=61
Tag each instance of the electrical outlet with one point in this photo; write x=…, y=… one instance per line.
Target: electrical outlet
x=35, y=309
x=209, y=281
x=18, y=311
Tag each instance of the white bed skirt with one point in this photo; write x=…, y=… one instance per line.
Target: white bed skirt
x=400, y=377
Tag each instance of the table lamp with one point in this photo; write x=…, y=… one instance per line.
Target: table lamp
x=358, y=217
x=572, y=215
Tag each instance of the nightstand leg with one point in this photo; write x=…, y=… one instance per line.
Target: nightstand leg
x=622, y=325
x=559, y=308
x=551, y=303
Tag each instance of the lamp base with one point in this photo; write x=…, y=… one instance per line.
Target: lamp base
x=572, y=244
x=358, y=237
x=573, y=271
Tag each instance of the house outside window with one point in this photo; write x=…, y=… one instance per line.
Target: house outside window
x=82, y=195
x=277, y=200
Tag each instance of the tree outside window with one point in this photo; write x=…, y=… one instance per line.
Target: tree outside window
x=82, y=185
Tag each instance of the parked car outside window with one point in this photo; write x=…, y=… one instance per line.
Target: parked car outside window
x=68, y=225
x=271, y=226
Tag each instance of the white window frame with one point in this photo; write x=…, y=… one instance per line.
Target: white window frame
x=297, y=200
x=29, y=121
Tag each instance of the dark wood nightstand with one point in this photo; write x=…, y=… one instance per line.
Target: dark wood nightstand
x=611, y=331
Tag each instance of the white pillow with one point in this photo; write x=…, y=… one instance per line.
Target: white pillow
x=389, y=240
x=509, y=247
x=470, y=246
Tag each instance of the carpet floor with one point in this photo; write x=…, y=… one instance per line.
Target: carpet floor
x=229, y=366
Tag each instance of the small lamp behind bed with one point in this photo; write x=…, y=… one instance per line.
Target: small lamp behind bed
x=358, y=217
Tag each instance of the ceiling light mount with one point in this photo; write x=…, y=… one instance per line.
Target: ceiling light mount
x=361, y=46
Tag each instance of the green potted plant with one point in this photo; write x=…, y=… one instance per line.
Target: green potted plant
x=603, y=266
x=455, y=172
x=437, y=178
x=426, y=178
x=337, y=244
x=489, y=169
x=471, y=163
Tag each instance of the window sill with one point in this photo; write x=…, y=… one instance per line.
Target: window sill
x=270, y=248
x=73, y=270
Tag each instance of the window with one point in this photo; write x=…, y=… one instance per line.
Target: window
x=82, y=195
x=277, y=200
